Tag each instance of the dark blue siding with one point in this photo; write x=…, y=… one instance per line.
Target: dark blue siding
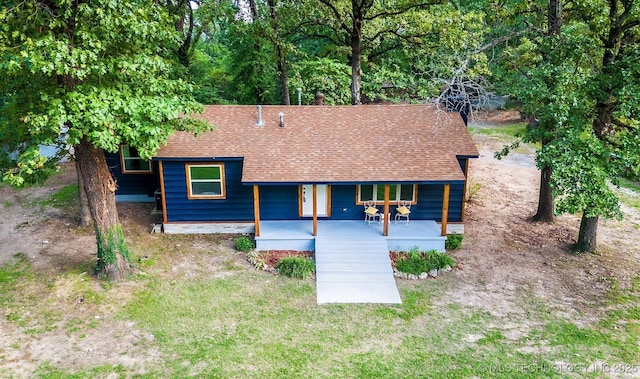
x=463, y=164
x=132, y=184
x=343, y=203
x=428, y=207
x=279, y=202
x=238, y=205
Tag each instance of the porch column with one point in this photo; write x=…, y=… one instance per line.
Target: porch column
x=445, y=209
x=315, y=210
x=256, y=208
x=385, y=230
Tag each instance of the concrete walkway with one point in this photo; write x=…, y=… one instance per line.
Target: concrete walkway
x=350, y=269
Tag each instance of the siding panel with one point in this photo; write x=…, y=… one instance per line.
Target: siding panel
x=238, y=205
x=279, y=202
x=132, y=184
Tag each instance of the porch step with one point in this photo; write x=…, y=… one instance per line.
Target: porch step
x=354, y=269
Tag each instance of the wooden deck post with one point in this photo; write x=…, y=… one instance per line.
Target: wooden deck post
x=385, y=229
x=256, y=208
x=445, y=209
x=315, y=210
x=164, y=198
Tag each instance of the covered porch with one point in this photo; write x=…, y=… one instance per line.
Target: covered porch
x=299, y=234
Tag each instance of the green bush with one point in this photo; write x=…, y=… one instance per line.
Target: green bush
x=295, y=267
x=419, y=262
x=244, y=244
x=453, y=242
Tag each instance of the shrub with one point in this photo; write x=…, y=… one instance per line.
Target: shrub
x=453, y=242
x=295, y=267
x=416, y=263
x=244, y=244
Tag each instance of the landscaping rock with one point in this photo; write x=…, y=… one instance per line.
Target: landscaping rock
x=423, y=275
x=433, y=273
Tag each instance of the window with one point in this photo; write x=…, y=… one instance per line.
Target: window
x=205, y=181
x=397, y=192
x=131, y=161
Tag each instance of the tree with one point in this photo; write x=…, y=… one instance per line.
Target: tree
x=545, y=72
x=600, y=141
x=616, y=89
x=91, y=76
x=541, y=73
x=369, y=27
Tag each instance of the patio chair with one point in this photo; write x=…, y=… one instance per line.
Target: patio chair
x=403, y=211
x=371, y=212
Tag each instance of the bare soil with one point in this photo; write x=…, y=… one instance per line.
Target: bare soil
x=505, y=260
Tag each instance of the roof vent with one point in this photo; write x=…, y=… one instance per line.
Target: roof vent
x=260, y=122
x=281, y=115
x=299, y=96
x=319, y=98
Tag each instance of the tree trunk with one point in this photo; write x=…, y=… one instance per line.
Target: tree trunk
x=554, y=18
x=282, y=65
x=587, y=242
x=113, y=253
x=282, y=69
x=356, y=54
x=546, y=207
x=85, y=212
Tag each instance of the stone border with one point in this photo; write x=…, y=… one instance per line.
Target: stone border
x=431, y=274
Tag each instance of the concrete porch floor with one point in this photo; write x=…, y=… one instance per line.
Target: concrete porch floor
x=298, y=234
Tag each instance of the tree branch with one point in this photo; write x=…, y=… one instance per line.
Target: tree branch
x=337, y=15
x=403, y=10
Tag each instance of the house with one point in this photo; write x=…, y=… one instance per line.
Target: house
x=306, y=164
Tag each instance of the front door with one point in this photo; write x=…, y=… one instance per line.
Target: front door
x=321, y=200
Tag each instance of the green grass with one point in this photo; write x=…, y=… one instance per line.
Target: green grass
x=65, y=198
x=630, y=198
x=11, y=274
x=253, y=324
x=630, y=184
x=512, y=131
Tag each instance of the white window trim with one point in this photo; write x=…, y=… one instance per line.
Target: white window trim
x=359, y=200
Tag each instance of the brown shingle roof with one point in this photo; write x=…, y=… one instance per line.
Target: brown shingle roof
x=331, y=144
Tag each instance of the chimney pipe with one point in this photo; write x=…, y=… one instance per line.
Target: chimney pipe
x=319, y=98
x=299, y=96
x=260, y=122
x=281, y=115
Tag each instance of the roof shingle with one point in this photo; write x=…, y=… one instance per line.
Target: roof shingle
x=332, y=144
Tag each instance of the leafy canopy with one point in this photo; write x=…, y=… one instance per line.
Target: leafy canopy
x=101, y=71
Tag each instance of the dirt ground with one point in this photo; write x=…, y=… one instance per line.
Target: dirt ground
x=502, y=253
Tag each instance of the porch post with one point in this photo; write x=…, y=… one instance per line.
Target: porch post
x=164, y=197
x=445, y=209
x=315, y=210
x=385, y=230
x=256, y=208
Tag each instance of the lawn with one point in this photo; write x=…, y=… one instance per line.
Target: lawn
x=248, y=323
